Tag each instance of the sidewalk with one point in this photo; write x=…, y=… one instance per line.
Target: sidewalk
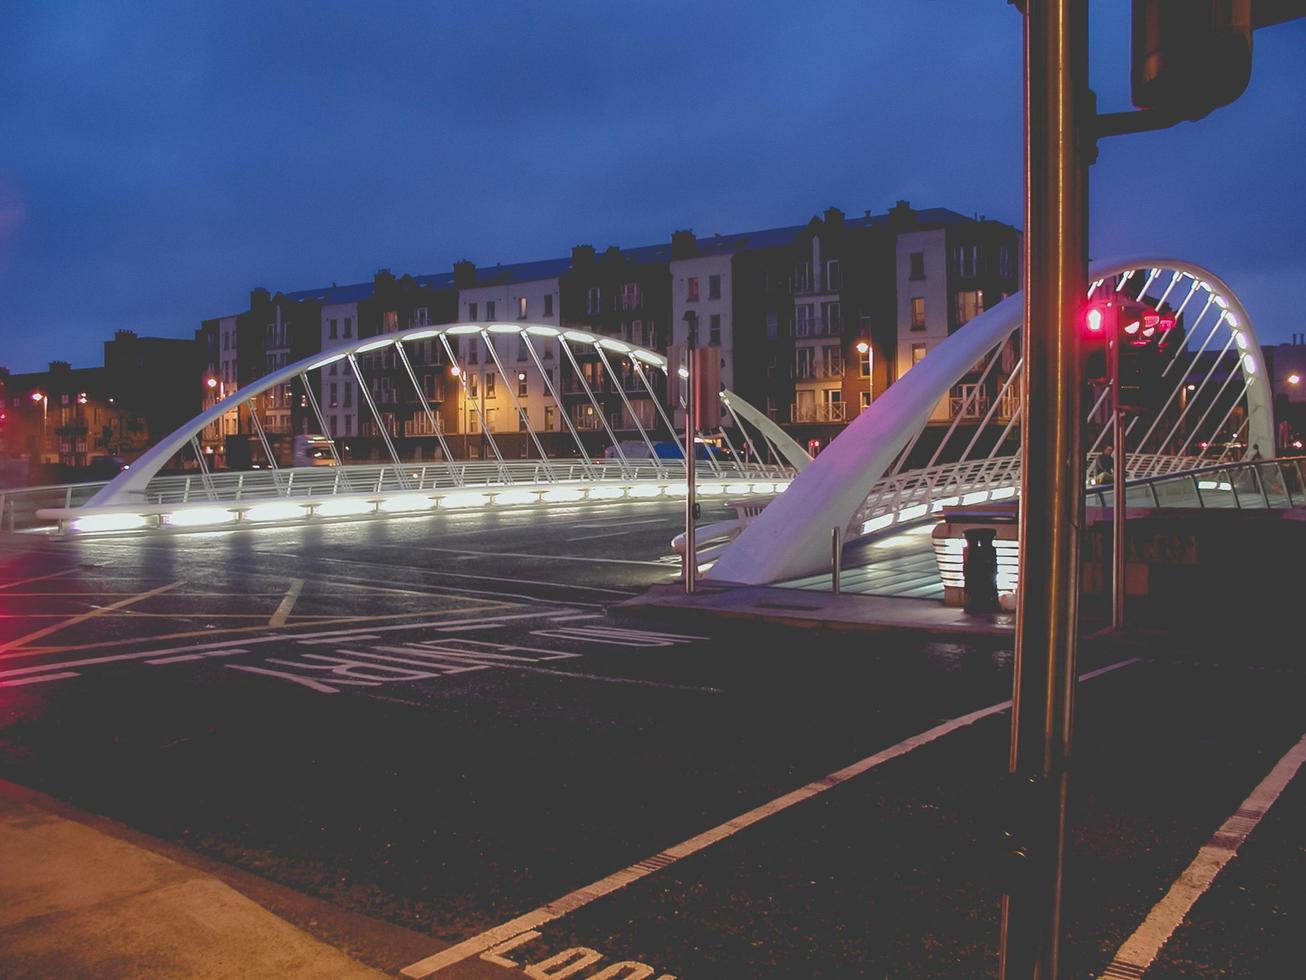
x=805, y=608
x=78, y=902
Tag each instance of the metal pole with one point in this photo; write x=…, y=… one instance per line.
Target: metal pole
x=1052, y=479
x=691, y=409
x=1118, y=483
x=836, y=560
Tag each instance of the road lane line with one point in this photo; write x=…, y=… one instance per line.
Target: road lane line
x=82, y=617
x=331, y=636
x=517, y=554
x=620, y=879
x=38, y=578
x=1140, y=950
x=325, y=621
x=592, y=537
x=39, y=680
x=282, y=613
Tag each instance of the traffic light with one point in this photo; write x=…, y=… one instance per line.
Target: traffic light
x=1190, y=56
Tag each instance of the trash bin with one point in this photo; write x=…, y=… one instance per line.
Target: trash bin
x=980, y=570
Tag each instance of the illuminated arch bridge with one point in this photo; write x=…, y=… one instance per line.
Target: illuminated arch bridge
x=758, y=462
x=1209, y=402
x=891, y=466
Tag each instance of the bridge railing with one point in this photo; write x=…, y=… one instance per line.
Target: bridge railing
x=20, y=509
x=1271, y=484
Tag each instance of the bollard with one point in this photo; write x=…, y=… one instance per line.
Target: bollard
x=980, y=570
x=836, y=560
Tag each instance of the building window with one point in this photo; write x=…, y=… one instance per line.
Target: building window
x=349, y=326
x=548, y=418
x=714, y=330
x=521, y=384
x=832, y=355
x=471, y=311
x=521, y=349
x=772, y=409
x=1004, y=262
x=521, y=307
x=592, y=300
x=970, y=304
x=833, y=276
x=917, y=353
x=471, y=385
x=802, y=278
x=803, y=363
x=489, y=309
x=548, y=304
x=523, y=420
x=831, y=317
x=803, y=320
x=691, y=289
x=918, y=312
x=918, y=265
x=713, y=287
x=773, y=326
x=866, y=400
x=331, y=401
x=331, y=330
x=389, y=321
x=489, y=384
x=491, y=415
x=967, y=261
x=630, y=296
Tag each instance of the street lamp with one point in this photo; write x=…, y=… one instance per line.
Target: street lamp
x=44, y=399
x=1294, y=379
x=863, y=347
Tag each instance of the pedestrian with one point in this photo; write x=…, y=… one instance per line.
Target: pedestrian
x=1256, y=452
x=1105, y=465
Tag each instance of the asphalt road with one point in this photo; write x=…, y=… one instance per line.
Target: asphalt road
x=436, y=722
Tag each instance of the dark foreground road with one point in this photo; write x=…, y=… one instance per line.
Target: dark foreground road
x=436, y=722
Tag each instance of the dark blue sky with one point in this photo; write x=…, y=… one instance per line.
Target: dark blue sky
x=158, y=160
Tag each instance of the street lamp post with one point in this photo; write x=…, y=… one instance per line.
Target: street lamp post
x=864, y=347
x=44, y=399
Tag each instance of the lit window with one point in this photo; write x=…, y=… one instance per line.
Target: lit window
x=691, y=289
x=970, y=303
x=967, y=261
x=918, y=312
x=917, y=353
x=489, y=384
x=521, y=307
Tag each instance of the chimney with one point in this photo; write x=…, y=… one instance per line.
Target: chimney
x=833, y=217
x=383, y=277
x=683, y=244
x=582, y=256
x=901, y=216
x=121, y=335
x=258, y=296
x=57, y=367
x=464, y=274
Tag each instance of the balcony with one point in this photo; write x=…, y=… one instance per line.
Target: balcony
x=817, y=371
x=819, y=412
x=817, y=327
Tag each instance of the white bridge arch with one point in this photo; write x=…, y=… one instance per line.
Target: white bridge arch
x=142, y=495
x=854, y=485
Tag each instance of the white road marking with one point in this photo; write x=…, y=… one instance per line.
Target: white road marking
x=287, y=603
x=37, y=578
x=39, y=680
x=492, y=578
x=82, y=617
x=328, y=636
x=592, y=537
x=608, y=679
x=517, y=554
x=605, y=886
x=183, y=658
x=1141, y=949
x=565, y=619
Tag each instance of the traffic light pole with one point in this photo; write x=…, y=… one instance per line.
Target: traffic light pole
x=690, y=562
x=1052, y=480
x=1118, y=473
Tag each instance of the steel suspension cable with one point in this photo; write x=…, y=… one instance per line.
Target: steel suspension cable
x=366, y=392
x=562, y=409
x=625, y=465
x=657, y=404
x=267, y=447
x=430, y=415
x=461, y=374
x=321, y=420
x=521, y=412
x=617, y=382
